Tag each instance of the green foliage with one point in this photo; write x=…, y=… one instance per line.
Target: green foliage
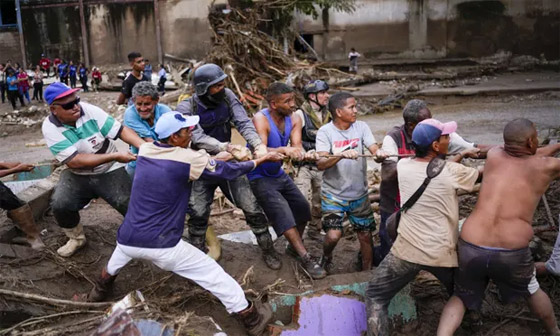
x=309, y=6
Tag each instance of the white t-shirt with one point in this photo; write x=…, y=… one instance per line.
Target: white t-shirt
x=428, y=231
x=456, y=145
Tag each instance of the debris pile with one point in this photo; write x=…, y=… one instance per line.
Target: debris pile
x=253, y=59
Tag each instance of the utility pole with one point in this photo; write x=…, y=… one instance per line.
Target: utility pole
x=84, y=33
x=21, y=40
x=158, y=32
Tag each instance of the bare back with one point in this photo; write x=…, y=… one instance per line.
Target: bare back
x=510, y=192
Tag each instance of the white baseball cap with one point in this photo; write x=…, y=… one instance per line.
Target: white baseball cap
x=172, y=122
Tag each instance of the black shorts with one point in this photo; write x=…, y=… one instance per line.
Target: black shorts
x=513, y=272
x=8, y=200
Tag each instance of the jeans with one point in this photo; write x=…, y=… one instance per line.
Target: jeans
x=388, y=279
x=309, y=181
x=38, y=91
x=8, y=200
x=83, y=80
x=385, y=241
x=73, y=192
x=3, y=89
x=553, y=263
x=72, y=81
x=237, y=191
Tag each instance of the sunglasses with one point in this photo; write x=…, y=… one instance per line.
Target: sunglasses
x=70, y=105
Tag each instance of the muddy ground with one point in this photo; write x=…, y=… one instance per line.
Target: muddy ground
x=170, y=296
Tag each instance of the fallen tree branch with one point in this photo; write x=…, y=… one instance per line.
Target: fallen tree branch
x=504, y=322
x=39, y=319
x=52, y=301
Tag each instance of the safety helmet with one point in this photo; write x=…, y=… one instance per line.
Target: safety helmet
x=206, y=76
x=315, y=86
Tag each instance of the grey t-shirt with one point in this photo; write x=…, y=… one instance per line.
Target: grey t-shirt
x=347, y=179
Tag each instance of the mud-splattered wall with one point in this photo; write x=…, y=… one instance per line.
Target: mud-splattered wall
x=9, y=46
x=439, y=28
x=113, y=29
x=378, y=28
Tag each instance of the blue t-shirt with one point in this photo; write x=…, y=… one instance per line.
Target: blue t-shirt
x=11, y=87
x=275, y=139
x=62, y=69
x=133, y=121
x=160, y=193
x=73, y=70
x=83, y=72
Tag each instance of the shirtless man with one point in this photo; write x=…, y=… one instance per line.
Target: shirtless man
x=494, y=242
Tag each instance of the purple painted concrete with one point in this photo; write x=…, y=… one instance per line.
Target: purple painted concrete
x=329, y=315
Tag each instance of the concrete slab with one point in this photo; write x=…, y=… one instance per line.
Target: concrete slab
x=17, y=251
x=507, y=83
x=328, y=315
x=402, y=307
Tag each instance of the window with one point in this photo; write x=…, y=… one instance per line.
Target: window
x=8, y=15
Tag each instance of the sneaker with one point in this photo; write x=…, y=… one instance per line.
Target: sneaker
x=313, y=268
x=327, y=264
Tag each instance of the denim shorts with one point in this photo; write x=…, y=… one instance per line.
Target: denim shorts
x=282, y=202
x=359, y=213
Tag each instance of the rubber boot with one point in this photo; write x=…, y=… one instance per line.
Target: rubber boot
x=313, y=268
x=103, y=287
x=199, y=242
x=77, y=240
x=270, y=256
x=23, y=218
x=256, y=317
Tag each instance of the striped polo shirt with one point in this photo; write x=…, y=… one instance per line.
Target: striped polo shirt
x=94, y=133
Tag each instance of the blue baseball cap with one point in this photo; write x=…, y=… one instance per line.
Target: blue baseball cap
x=56, y=91
x=172, y=122
x=429, y=130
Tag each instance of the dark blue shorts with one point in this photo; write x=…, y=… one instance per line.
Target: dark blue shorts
x=513, y=272
x=282, y=202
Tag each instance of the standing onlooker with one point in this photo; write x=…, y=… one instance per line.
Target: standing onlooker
x=162, y=79
x=96, y=77
x=148, y=70
x=63, y=72
x=72, y=71
x=23, y=85
x=2, y=82
x=83, y=71
x=136, y=75
x=38, y=84
x=45, y=64
x=56, y=63
x=13, y=92
x=353, y=57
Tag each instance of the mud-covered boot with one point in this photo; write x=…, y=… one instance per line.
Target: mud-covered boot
x=256, y=317
x=77, y=241
x=199, y=242
x=312, y=267
x=270, y=256
x=23, y=218
x=103, y=287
